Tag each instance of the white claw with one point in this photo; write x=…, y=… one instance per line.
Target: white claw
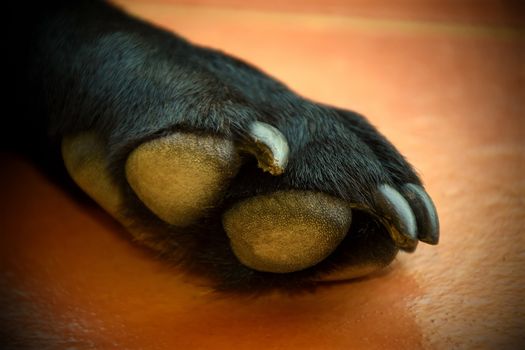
x=274, y=141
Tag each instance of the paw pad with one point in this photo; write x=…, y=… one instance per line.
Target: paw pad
x=286, y=231
x=178, y=177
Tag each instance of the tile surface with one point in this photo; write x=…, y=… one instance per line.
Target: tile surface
x=444, y=81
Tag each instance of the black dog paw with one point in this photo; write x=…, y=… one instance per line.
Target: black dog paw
x=218, y=167
x=296, y=193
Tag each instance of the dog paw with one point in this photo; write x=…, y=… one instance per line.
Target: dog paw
x=257, y=188
x=259, y=209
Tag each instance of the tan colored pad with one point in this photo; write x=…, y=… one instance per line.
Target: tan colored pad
x=286, y=231
x=178, y=177
x=85, y=161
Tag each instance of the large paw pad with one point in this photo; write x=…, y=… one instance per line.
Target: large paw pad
x=178, y=177
x=286, y=231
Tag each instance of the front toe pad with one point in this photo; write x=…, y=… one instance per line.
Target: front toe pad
x=178, y=177
x=286, y=231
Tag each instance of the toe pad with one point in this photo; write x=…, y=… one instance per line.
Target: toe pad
x=178, y=177
x=286, y=231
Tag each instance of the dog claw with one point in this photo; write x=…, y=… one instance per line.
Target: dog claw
x=425, y=212
x=269, y=146
x=397, y=215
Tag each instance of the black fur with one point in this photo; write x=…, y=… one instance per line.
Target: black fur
x=86, y=65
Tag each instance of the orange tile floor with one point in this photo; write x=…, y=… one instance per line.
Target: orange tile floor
x=443, y=80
